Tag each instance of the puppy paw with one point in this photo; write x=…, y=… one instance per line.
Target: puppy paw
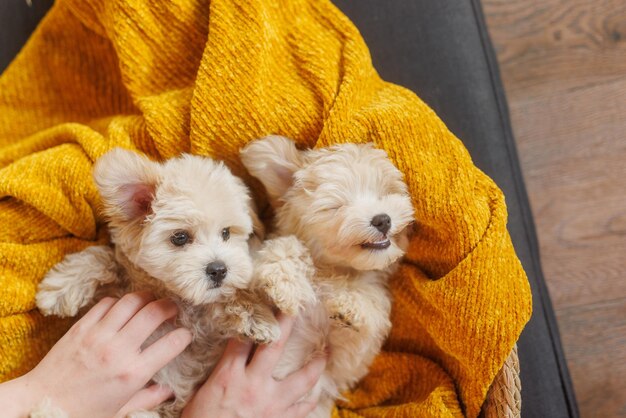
x=72, y=283
x=283, y=273
x=58, y=296
x=252, y=319
x=262, y=332
x=344, y=310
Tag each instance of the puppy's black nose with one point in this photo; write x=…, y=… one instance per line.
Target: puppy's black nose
x=382, y=222
x=216, y=271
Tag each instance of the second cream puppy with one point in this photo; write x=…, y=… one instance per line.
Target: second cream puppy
x=341, y=225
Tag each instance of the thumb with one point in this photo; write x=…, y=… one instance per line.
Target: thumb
x=146, y=399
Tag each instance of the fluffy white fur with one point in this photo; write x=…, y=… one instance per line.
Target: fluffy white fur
x=329, y=258
x=146, y=205
x=45, y=409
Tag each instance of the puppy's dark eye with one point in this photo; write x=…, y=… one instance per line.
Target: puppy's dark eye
x=180, y=238
x=225, y=234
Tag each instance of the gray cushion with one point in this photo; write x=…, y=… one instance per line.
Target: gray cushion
x=17, y=21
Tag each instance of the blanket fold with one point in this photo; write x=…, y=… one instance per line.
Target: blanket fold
x=207, y=77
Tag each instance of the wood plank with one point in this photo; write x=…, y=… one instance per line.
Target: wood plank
x=572, y=148
x=598, y=373
x=563, y=43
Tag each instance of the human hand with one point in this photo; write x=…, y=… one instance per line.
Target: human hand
x=238, y=388
x=98, y=368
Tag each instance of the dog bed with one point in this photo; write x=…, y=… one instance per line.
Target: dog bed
x=207, y=77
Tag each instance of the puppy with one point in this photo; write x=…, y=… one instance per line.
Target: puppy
x=181, y=230
x=341, y=219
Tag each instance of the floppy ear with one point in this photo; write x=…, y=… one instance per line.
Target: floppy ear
x=258, y=229
x=273, y=160
x=127, y=183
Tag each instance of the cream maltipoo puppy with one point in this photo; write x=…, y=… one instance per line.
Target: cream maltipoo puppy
x=181, y=230
x=341, y=224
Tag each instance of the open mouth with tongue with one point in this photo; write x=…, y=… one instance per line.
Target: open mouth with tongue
x=377, y=245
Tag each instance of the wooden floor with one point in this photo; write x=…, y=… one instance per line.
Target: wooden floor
x=563, y=64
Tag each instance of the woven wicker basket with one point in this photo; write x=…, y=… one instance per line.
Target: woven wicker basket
x=504, y=398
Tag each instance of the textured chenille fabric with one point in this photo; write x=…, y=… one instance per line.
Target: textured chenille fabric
x=207, y=77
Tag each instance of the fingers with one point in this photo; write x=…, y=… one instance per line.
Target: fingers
x=302, y=408
x=146, y=321
x=123, y=311
x=96, y=313
x=300, y=382
x=235, y=355
x=266, y=356
x=146, y=399
x=162, y=351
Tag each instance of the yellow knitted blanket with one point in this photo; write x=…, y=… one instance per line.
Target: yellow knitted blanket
x=206, y=78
